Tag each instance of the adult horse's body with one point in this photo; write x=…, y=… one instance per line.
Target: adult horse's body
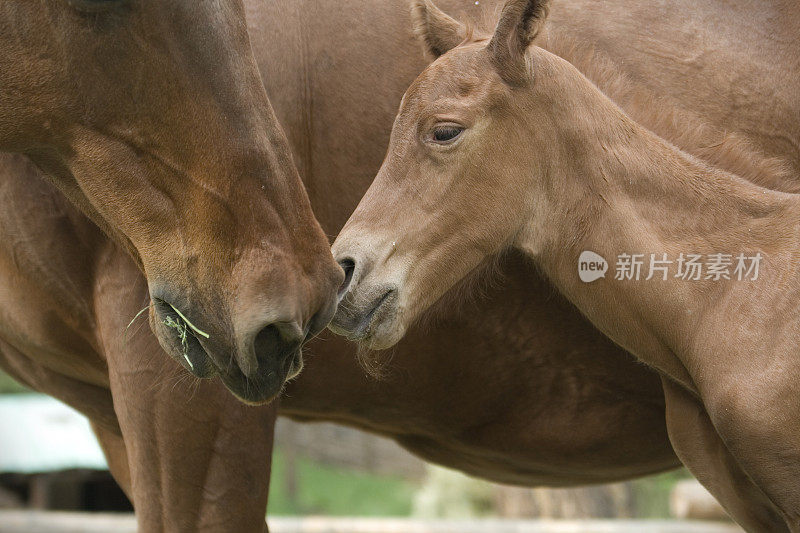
x=564, y=405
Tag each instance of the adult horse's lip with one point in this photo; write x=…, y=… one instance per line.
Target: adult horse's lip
x=267, y=386
x=192, y=356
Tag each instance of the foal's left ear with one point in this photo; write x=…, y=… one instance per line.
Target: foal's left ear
x=520, y=23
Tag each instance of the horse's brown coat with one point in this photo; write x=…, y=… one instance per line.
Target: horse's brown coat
x=152, y=119
x=563, y=404
x=498, y=145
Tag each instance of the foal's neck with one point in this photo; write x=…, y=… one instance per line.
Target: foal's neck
x=630, y=195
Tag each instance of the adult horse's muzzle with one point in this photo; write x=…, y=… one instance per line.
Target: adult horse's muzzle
x=253, y=360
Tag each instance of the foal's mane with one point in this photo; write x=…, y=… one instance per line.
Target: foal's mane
x=663, y=116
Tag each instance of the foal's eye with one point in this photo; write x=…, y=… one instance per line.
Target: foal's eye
x=446, y=133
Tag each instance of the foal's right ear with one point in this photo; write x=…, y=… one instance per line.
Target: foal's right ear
x=520, y=24
x=438, y=31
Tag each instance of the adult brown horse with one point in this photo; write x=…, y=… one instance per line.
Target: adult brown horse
x=564, y=405
x=152, y=119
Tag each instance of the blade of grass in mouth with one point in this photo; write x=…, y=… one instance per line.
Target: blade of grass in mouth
x=191, y=326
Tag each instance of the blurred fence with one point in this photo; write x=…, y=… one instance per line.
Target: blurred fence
x=346, y=447
x=38, y=469
x=44, y=522
x=451, y=495
x=444, y=493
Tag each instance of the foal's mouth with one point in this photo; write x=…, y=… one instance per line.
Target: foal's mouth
x=360, y=324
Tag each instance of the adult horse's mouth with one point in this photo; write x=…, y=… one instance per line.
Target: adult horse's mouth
x=277, y=362
x=180, y=341
x=266, y=386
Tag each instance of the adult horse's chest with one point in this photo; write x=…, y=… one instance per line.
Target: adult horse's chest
x=48, y=255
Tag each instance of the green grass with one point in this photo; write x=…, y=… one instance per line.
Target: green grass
x=327, y=490
x=9, y=386
x=652, y=493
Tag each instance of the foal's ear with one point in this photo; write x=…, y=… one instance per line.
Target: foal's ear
x=520, y=23
x=439, y=32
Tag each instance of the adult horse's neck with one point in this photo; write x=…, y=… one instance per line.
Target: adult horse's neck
x=628, y=192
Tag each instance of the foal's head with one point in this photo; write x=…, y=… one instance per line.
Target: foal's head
x=150, y=115
x=466, y=172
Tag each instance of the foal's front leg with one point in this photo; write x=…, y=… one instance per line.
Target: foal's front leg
x=755, y=411
x=700, y=448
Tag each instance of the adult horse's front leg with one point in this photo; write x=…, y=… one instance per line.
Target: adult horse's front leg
x=116, y=456
x=199, y=459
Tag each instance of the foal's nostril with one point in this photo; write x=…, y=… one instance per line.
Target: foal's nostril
x=349, y=266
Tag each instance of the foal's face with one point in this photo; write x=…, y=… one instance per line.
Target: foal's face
x=450, y=193
x=459, y=182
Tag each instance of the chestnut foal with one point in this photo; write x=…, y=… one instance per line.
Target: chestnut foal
x=500, y=144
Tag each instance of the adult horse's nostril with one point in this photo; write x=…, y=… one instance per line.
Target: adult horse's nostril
x=349, y=266
x=273, y=345
x=266, y=341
